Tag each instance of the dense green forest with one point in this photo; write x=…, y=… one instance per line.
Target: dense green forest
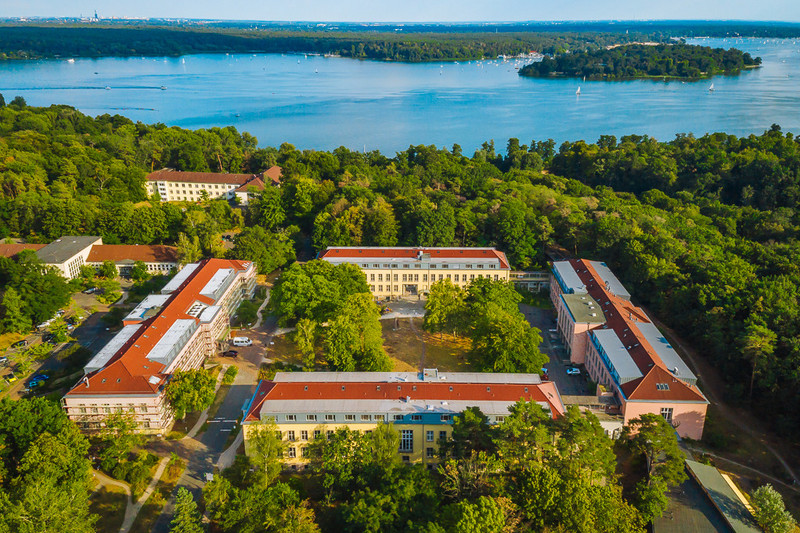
x=675, y=61
x=703, y=230
x=33, y=42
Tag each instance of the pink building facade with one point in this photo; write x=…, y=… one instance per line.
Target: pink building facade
x=622, y=350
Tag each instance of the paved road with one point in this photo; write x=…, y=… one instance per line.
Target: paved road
x=203, y=451
x=544, y=320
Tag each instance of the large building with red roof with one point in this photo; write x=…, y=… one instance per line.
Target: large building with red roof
x=622, y=349
x=410, y=271
x=176, y=329
x=420, y=406
x=69, y=253
x=175, y=185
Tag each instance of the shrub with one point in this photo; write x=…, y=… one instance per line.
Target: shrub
x=230, y=375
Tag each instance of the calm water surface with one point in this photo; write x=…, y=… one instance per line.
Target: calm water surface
x=322, y=103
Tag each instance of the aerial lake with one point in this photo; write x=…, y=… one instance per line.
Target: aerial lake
x=321, y=103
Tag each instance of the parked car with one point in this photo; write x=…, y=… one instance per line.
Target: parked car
x=20, y=344
x=3, y=360
x=40, y=377
x=33, y=384
x=11, y=378
x=242, y=341
x=572, y=371
x=90, y=290
x=230, y=353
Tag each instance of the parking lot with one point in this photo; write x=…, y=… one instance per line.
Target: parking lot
x=544, y=320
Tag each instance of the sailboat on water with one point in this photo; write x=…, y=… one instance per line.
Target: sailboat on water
x=578, y=92
x=711, y=89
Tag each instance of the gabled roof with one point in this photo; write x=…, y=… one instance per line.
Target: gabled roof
x=651, y=387
x=370, y=253
x=255, y=182
x=273, y=174
x=474, y=391
x=139, y=364
x=63, y=249
x=167, y=174
x=11, y=250
x=155, y=253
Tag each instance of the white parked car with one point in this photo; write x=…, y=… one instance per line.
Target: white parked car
x=573, y=371
x=242, y=341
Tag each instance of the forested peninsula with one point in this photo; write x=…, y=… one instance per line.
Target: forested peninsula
x=38, y=42
x=672, y=61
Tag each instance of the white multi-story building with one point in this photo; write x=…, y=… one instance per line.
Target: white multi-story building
x=410, y=271
x=176, y=329
x=173, y=185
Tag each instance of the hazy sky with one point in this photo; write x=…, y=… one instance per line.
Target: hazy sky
x=412, y=10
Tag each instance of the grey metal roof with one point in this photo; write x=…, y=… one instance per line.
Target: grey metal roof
x=612, y=283
x=112, y=347
x=404, y=377
x=666, y=352
x=172, y=342
x=568, y=275
x=621, y=360
x=724, y=498
x=584, y=308
x=179, y=278
x=61, y=250
x=152, y=301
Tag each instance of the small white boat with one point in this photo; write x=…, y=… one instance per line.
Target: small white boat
x=578, y=92
x=163, y=87
x=108, y=88
x=70, y=60
x=711, y=89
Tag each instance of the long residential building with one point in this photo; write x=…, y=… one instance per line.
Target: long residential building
x=176, y=329
x=69, y=253
x=174, y=185
x=420, y=406
x=622, y=349
x=410, y=271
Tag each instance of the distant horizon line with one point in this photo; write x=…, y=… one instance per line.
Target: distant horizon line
x=402, y=22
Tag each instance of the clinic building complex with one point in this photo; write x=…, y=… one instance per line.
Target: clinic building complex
x=175, y=329
x=622, y=349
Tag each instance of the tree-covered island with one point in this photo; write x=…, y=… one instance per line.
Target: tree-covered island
x=673, y=61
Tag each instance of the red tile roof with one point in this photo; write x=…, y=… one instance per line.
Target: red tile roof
x=199, y=177
x=255, y=182
x=155, y=253
x=622, y=316
x=129, y=370
x=10, y=250
x=274, y=173
x=427, y=391
x=410, y=253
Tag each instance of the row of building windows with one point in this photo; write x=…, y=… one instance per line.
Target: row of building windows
x=107, y=410
x=198, y=186
x=366, y=417
x=434, y=266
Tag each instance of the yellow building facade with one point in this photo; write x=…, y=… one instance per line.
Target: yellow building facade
x=408, y=271
x=421, y=407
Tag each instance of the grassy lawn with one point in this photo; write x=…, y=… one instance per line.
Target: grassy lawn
x=151, y=510
x=402, y=342
x=109, y=504
x=284, y=350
